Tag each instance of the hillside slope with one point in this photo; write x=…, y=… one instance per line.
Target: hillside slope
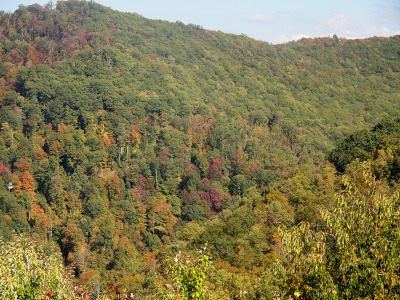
x=122, y=136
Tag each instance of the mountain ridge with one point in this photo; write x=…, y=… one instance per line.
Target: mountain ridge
x=123, y=136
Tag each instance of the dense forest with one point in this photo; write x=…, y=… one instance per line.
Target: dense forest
x=127, y=142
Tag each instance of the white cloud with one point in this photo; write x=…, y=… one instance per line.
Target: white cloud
x=284, y=39
x=343, y=27
x=338, y=24
x=263, y=18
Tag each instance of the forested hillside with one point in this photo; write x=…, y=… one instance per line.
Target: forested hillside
x=124, y=140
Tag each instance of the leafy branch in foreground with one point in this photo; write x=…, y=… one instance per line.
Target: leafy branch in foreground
x=356, y=257
x=188, y=277
x=26, y=272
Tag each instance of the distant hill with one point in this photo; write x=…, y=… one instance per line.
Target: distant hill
x=117, y=130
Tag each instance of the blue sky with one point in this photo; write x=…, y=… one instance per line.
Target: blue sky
x=275, y=21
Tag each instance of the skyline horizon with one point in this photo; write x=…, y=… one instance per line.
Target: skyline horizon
x=283, y=22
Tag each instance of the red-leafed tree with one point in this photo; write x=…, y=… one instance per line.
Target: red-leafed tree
x=215, y=170
x=216, y=197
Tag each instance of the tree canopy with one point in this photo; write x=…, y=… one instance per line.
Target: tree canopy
x=124, y=140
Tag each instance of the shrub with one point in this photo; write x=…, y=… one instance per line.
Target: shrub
x=356, y=256
x=26, y=272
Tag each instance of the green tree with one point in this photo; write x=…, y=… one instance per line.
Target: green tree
x=26, y=272
x=357, y=256
x=188, y=277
